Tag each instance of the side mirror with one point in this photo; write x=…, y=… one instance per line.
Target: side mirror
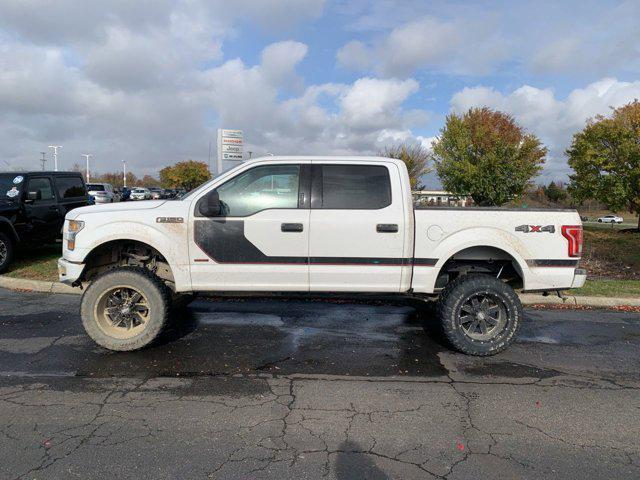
x=33, y=196
x=210, y=205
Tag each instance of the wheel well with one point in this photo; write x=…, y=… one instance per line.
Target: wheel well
x=490, y=260
x=7, y=229
x=127, y=253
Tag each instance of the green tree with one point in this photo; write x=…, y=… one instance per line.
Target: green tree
x=605, y=157
x=415, y=157
x=188, y=175
x=555, y=192
x=486, y=154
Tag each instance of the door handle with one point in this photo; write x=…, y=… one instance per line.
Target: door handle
x=387, y=228
x=291, y=227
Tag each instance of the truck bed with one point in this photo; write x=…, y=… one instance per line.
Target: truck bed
x=533, y=243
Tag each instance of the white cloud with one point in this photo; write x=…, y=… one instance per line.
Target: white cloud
x=553, y=120
x=573, y=38
x=373, y=103
x=355, y=55
x=327, y=118
x=453, y=46
x=131, y=80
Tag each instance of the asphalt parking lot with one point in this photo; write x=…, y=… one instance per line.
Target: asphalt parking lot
x=249, y=389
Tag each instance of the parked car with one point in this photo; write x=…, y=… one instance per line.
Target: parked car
x=33, y=206
x=157, y=193
x=102, y=192
x=316, y=224
x=610, y=219
x=140, y=193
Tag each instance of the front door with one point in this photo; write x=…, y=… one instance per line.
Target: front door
x=357, y=238
x=41, y=210
x=260, y=238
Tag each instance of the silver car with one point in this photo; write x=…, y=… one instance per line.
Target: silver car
x=102, y=192
x=140, y=194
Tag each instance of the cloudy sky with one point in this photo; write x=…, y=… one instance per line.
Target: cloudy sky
x=150, y=81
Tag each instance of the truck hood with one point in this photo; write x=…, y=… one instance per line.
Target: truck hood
x=115, y=207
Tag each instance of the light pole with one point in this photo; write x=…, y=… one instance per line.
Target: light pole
x=44, y=160
x=55, y=155
x=86, y=156
x=124, y=174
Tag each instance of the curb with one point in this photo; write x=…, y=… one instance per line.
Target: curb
x=577, y=300
x=37, y=286
x=526, y=298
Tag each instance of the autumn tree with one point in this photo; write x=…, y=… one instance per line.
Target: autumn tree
x=486, y=154
x=149, y=181
x=115, y=179
x=605, y=157
x=415, y=157
x=188, y=175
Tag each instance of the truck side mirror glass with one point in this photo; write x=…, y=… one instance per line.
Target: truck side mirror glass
x=33, y=196
x=210, y=205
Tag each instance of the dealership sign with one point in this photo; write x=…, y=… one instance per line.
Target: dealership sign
x=229, y=145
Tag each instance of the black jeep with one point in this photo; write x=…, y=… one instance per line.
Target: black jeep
x=33, y=206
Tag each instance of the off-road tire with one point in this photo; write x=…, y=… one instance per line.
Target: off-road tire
x=157, y=296
x=6, y=245
x=460, y=291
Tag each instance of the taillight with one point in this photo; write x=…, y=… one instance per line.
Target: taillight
x=573, y=234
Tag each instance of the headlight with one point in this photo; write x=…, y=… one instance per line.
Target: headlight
x=73, y=229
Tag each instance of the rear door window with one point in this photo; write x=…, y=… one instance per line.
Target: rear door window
x=70, y=187
x=355, y=187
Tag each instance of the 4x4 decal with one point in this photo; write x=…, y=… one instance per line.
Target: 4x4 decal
x=535, y=228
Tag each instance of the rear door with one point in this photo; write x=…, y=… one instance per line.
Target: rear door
x=260, y=239
x=72, y=193
x=357, y=237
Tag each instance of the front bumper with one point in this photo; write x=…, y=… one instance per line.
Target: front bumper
x=579, y=277
x=69, y=272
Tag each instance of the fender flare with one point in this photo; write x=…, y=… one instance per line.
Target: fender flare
x=12, y=230
x=144, y=234
x=482, y=237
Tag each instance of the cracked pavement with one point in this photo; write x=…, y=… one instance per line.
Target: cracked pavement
x=253, y=389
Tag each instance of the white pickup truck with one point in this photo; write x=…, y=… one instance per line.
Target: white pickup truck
x=315, y=224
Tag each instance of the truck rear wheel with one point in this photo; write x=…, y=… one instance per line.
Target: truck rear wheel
x=6, y=252
x=480, y=314
x=125, y=309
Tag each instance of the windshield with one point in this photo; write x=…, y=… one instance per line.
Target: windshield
x=95, y=187
x=10, y=185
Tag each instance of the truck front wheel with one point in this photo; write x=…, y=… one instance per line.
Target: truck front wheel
x=6, y=252
x=480, y=314
x=125, y=309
